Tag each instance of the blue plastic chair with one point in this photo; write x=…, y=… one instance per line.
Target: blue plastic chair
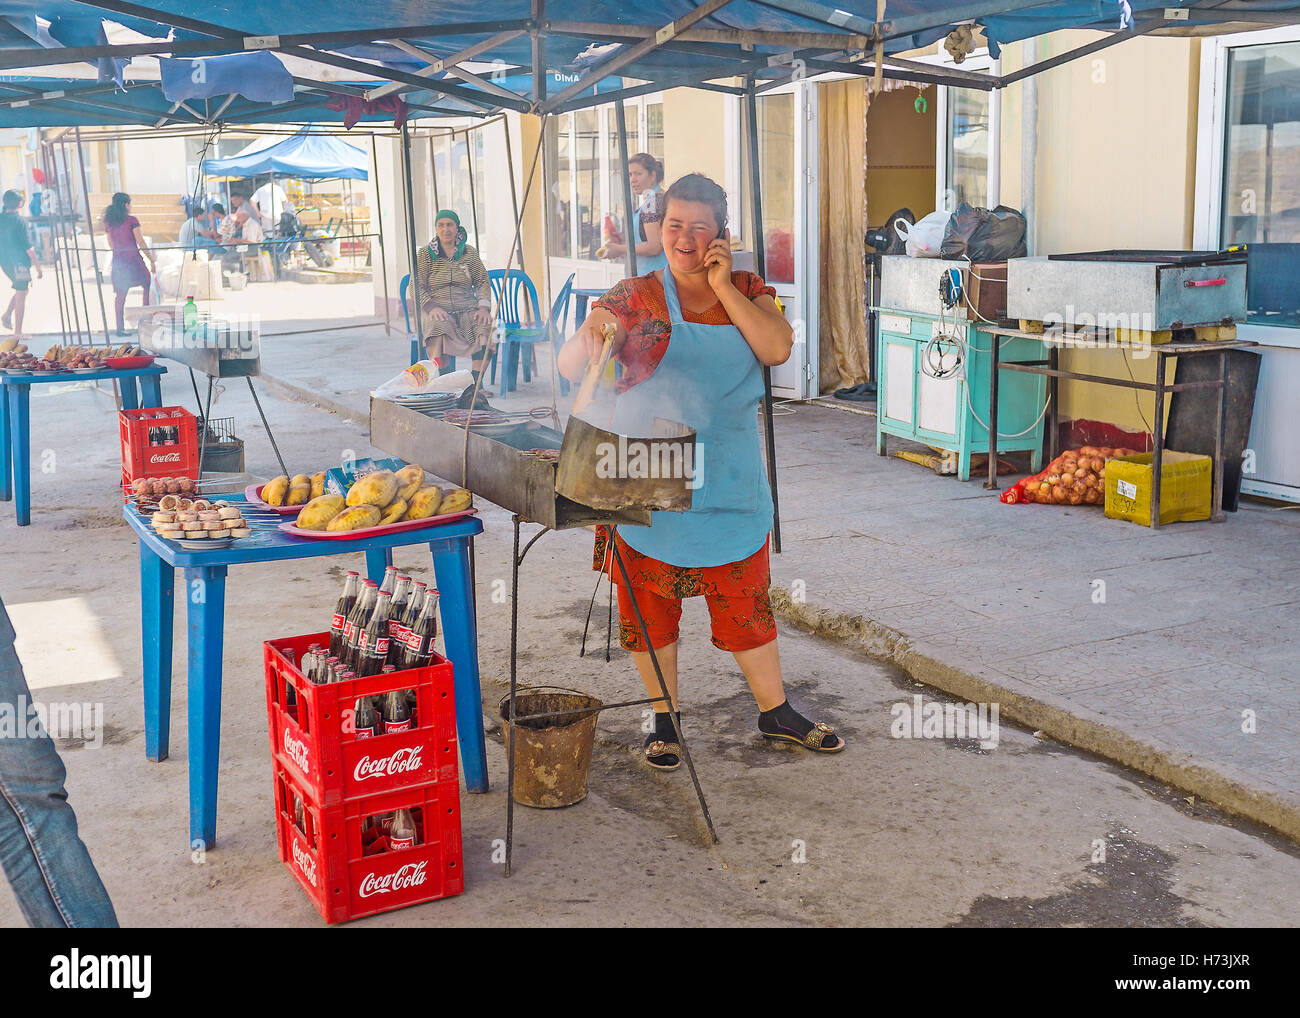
x=515, y=297
x=417, y=348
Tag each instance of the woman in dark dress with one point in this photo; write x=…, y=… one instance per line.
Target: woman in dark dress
x=129, y=253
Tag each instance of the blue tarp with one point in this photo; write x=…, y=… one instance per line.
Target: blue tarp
x=912, y=24
x=257, y=76
x=307, y=154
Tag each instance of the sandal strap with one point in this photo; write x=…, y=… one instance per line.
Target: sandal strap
x=817, y=735
x=661, y=748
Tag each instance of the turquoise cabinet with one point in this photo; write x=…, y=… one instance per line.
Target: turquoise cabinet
x=937, y=393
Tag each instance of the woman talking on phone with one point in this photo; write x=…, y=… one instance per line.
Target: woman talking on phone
x=693, y=339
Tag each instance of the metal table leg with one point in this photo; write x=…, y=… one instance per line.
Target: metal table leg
x=992, y=483
x=20, y=429
x=205, y=596
x=6, y=450
x=460, y=640
x=1158, y=442
x=1217, y=514
x=157, y=594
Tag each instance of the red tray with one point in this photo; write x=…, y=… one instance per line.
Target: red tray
x=388, y=528
x=127, y=363
x=254, y=495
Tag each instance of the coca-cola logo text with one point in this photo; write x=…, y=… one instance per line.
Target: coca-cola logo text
x=404, y=761
x=305, y=863
x=297, y=750
x=165, y=457
x=410, y=875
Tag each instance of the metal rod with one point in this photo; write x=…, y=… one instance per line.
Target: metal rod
x=590, y=710
x=1082, y=51
x=760, y=262
x=51, y=179
x=992, y=483
x=81, y=272
x=207, y=416
x=94, y=250
x=473, y=201
x=383, y=249
x=412, y=243
x=1220, y=416
x=620, y=118
x=514, y=194
x=663, y=686
x=1158, y=441
x=253, y=392
x=514, y=685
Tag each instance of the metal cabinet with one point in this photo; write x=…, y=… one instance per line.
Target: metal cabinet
x=936, y=390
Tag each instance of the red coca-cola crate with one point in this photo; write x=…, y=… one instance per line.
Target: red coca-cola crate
x=314, y=740
x=149, y=447
x=348, y=875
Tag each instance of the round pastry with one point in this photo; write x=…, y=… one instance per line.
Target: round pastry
x=169, y=502
x=192, y=526
x=172, y=535
x=194, y=535
x=202, y=504
x=207, y=515
x=162, y=517
x=241, y=532
x=228, y=512
x=234, y=524
x=217, y=533
x=185, y=503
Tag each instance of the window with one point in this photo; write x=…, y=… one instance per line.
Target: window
x=776, y=158
x=968, y=135
x=586, y=174
x=1260, y=197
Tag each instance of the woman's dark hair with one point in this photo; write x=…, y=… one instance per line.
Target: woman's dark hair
x=650, y=164
x=12, y=200
x=698, y=187
x=115, y=214
x=218, y=208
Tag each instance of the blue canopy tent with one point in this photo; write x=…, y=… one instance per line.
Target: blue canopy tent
x=308, y=154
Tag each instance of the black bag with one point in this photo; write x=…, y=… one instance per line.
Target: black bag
x=984, y=235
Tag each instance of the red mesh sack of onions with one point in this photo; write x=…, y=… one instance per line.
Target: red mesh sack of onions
x=1076, y=477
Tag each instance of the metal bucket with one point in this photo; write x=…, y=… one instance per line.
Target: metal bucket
x=552, y=753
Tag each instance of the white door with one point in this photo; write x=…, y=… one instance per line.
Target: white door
x=787, y=140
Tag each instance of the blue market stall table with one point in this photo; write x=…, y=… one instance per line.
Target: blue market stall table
x=205, y=573
x=15, y=421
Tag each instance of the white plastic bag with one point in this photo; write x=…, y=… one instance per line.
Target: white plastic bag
x=423, y=377
x=923, y=239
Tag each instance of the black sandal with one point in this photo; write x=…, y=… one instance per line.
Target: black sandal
x=662, y=756
x=815, y=740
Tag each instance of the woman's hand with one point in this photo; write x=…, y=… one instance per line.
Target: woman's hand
x=585, y=345
x=439, y=315
x=482, y=317
x=718, y=260
x=612, y=251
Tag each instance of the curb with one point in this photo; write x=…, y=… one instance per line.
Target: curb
x=1226, y=788
x=301, y=395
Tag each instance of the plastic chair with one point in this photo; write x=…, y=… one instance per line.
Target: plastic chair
x=417, y=351
x=554, y=328
x=515, y=294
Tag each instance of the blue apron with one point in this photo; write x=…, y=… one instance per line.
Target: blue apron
x=646, y=263
x=709, y=380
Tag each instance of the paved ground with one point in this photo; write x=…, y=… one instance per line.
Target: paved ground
x=894, y=831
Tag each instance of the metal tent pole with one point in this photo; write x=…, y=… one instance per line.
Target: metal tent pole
x=473, y=201
x=433, y=173
x=72, y=235
x=54, y=246
x=383, y=257
x=412, y=242
x=94, y=250
x=620, y=117
x=514, y=195
x=760, y=262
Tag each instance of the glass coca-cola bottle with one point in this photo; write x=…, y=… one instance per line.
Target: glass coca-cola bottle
x=395, y=712
x=338, y=625
x=390, y=579
x=401, y=833
x=331, y=670
x=365, y=722
x=357, y=619
x=424, y=631
x=397, y=611
x=372, y=647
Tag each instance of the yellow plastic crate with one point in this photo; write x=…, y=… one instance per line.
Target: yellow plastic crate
x=1186, y=492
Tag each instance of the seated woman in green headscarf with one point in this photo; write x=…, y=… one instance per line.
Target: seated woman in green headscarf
x=455, y=295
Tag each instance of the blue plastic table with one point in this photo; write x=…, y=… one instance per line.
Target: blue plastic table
x=16, y=424
x=205, y=600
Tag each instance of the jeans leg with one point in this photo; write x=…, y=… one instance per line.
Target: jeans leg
x=45, y=860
